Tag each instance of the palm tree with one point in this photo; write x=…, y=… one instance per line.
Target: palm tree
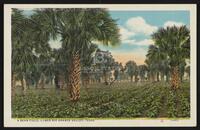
x=29, y=44
x=174, y=43
x=131, y=69
x=78, y=28
x=22, y=55
x=142, y=71
x=155, y=57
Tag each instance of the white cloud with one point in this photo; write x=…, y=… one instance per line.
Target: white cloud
x=145, y=42
x=139, y=25
x=125, y=34
x=172, y=23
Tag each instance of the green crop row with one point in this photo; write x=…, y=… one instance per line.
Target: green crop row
x=125, y=101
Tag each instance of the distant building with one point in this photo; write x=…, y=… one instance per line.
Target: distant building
x=101, y=56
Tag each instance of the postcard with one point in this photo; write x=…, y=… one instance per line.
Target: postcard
x=100, y=65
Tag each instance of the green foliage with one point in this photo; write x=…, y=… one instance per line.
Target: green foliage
x=173, y=42
x=171, y=48
x=124, y=101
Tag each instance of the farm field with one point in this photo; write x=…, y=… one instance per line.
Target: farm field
x=120, y=100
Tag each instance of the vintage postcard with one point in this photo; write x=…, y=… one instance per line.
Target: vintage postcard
x=99, y=65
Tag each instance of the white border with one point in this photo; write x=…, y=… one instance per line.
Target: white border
x=8, y=122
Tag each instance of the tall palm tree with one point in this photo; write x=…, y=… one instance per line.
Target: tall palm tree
x=78, y=28
x=29, y=43
x=175, y=43
x=22, y=56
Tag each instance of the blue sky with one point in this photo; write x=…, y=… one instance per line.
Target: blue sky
x=136, y=28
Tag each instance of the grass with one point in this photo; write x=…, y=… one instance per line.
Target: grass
x=121, y=100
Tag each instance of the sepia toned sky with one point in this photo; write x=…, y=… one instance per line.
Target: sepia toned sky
x=136, y=28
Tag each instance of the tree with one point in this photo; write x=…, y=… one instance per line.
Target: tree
x=174, y=43
x=142, y=71
x=131, y=69
x=28, y=50
x=78, y=28
x=154, y=56
x=22, y=47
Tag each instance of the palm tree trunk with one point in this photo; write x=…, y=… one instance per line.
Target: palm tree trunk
x=24, y=87
x=136, y=78
x=105, y=77
x=41, y=81
x=153, y=77
x=162, y=76
x=131, y=78
x=167, y=77
x=61, y=81
x=149, y=77
x=181, y=78
x=87, y=80
x=74, y=78
x=158, y=76
x=175, y=83
x=189, y=76
x=27, y=85
x=36, y=85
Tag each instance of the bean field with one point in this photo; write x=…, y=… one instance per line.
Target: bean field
x=120, y=100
